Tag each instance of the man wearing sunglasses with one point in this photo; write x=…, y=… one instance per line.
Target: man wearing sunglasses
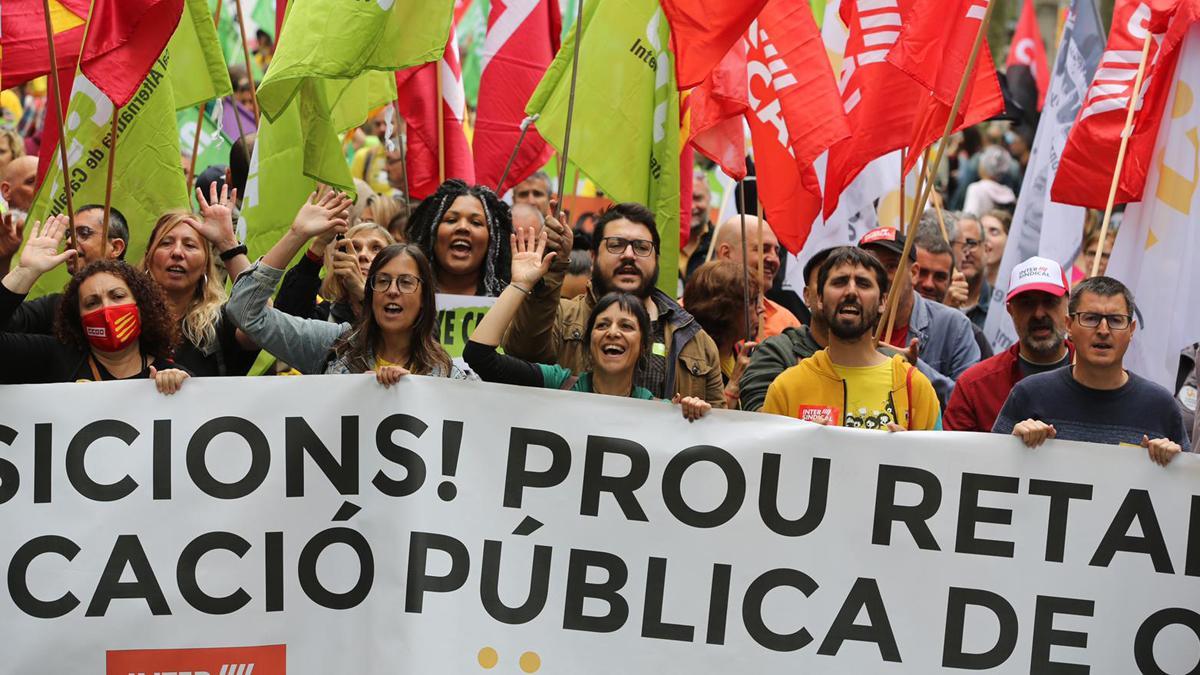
x=1097, y=400
x=625, y=245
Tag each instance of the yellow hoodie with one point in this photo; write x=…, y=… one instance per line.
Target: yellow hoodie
x=811, y=387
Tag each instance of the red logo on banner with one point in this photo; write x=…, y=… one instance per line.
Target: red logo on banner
x=265, y=660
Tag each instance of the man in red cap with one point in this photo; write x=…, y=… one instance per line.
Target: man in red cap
x=1037, y=304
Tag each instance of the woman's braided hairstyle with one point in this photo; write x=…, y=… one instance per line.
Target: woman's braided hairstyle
x=423, y=225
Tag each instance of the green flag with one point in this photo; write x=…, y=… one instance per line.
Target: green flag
x=340, y=39
x=148, y=177
x=197, y=72
x=214, y=145
x=276, y=185
x=263, y=16
x=625, y=131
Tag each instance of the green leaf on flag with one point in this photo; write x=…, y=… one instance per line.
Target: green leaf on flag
x=625, y=131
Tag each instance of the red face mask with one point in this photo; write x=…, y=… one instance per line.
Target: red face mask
x=113, y=328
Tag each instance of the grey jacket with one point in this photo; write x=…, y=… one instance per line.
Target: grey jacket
x=305, y=344
x=947, y=341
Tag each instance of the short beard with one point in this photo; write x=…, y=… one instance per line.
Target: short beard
x=1044, y=349
x=849, y=333
x=601, y=286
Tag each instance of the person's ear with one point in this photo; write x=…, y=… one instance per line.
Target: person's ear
x=116, y=248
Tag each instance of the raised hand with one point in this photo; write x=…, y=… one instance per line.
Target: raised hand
x=345, y=267
x=559, y=237
x=217, y=212
x=956, y=295
x=530, y=262
x=41, y=252
x=321, y=214
x=12, y=232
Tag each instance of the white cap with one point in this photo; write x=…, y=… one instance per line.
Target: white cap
x=1037, y=274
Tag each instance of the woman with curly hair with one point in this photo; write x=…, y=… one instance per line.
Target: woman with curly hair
x=182, y=258
x=112, y=324
x=393, y=336
x=464, y=229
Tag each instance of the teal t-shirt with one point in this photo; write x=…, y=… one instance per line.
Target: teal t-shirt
x=553, y=377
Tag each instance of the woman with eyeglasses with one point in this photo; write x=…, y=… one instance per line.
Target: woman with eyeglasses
x=464, y=230
x=617, y=334
x=393, y=337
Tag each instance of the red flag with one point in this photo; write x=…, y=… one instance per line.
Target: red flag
x=1027, y=64
x=934, y=49
x=796, y=115
x=717, y=107
x=280, y=13
x=522, y=38
x=421, y=110
x=687, y=169
x=24, y=53
x=702, y=32
x=124, y=39
x=1089, y=158
x=48, y=150
x=880, y=101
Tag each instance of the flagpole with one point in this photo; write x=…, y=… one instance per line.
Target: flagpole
x=745, y=252
x=762, y=274
x=923, y=197
x=1116, y=179
x=246, y=53
x=401, y=142
x=525, y=124
x=562, y=166
x=441, y=125
x=191, y=174
x=62, y=137
x=108, y=185
x=903, y=159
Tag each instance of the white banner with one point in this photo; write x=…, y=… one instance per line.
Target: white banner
x=1040, y=225
x=324, y=525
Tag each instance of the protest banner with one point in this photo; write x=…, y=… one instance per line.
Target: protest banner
x=325, y=524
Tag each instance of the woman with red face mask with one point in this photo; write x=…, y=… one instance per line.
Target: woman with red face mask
x=112, y=324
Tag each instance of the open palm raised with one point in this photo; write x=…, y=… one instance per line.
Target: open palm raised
x=530, y=262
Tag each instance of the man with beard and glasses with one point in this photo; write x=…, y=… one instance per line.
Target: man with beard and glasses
x=1037, y=304
x=849, y=383
x=683, y=359
x=765, y=252
x=1096, y=399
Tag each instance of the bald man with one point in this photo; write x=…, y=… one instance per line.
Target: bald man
x=19, y=181
x=528, y=216
x=728, y=246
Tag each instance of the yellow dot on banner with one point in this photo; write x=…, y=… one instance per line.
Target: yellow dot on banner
x=488, y=658
x=1183, y=100
x=530, y=662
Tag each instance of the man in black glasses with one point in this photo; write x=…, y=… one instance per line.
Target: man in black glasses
x=966, y=238
x=1097, y=400
x=625, y=244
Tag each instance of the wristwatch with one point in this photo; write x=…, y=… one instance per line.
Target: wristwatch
x=234, y=252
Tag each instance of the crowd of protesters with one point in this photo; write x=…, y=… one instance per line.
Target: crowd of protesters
x=352, y=287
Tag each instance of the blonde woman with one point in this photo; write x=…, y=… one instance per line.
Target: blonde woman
x=382, y=209
x=182, y=259
x=11, y=147
x=346, y=264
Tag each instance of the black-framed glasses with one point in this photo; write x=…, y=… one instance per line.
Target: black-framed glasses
x=968, y=244
x=642, y=248
x=405, y=283
x=1092, y=320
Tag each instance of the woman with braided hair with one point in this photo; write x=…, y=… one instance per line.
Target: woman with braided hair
x=464, y=230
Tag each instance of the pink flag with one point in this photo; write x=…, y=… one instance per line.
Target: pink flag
x=522, y=38
x=417, y=90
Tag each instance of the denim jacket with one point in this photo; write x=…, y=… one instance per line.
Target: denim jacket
x=947, y=342
x=305, y=344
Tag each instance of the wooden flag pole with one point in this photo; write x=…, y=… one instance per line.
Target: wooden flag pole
x=762, y=274
x=1125, y=133
x=745, y=256
x=903, y=177
x=562, y=165
x=108, y=185
x=441, y=126
x=246, y=53
x=62, y=137
x=923, y=196
x=885, y=328
x=191, y=174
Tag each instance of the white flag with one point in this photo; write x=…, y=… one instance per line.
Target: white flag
x=1157, y=253
x=1040, y=226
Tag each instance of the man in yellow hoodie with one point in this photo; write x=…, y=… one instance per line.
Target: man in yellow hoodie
x=849, y=383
